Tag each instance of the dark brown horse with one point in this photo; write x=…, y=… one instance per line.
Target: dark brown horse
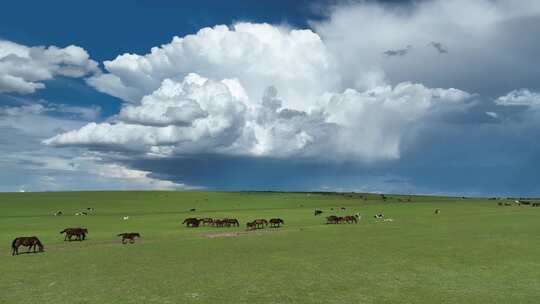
x=332, y=219
x=206, y=221
x=129, y=236
x=79, y=233
x=231, y=222
x=191, y=222
x=275, y=222
x=251, y=226
x=27, y=241
x=351, y=219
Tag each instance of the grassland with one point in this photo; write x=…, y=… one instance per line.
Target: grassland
x=473, y=252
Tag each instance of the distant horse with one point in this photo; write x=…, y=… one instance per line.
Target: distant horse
x=79, y=233
x=260, y=223
x=206, y=221
x=191, y=222
x=318, y=212
x=332, y=219
x=350, y=219
x=437, y=211
x=379, y=216
x=129, y=236
x=251, y=225
x=58, y=213
x=275, y=222
x=231, y=222
x=27, y=241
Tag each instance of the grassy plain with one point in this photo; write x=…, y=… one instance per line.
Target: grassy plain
x=473, y=252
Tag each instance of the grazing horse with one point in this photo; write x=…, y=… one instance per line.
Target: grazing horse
x=191, y=222
x=129, y=236
x=27, y=241
x=332, y=219
x=437, y=211
x=79, y=233
x=275, y=222
x=260, y=223
x=318, y=212
x=206, y=221
x=251, y=225
x=231, y=222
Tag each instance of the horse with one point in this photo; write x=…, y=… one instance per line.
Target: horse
x=79, y=233
x=350, y=219
x=251, y=225
x=191, y=222
x=231, y=222
x=260, y=223
x=275, y=222
x=437, y=211
x=129, y=236
x=206, y=221
x=27, y=241
x=332, y=219
x=379, y=216
x=317, y=212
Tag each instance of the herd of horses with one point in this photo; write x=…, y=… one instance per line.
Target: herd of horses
x=193, y=222
x=33, y=243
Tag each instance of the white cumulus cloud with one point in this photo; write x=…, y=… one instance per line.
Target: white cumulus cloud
x=521, y=97
x=23, y=69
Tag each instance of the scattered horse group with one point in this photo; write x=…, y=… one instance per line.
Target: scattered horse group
x=348, y=219
x=224, y=222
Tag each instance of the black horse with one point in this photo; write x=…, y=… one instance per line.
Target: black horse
x=27, y=241
x=275, y=222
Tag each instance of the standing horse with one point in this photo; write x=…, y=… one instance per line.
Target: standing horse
x=79, y=233
x=260, y=223
x=206, y=221
x=332, y=219
x=232, y=222
x=129, y=236
x=27, y=241
x=275, y=222
x=350, y=219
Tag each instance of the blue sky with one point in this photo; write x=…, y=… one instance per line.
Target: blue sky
x=380, y=96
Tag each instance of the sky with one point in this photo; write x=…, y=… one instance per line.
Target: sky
x=415, y=97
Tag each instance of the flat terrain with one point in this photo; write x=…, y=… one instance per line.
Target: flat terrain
x=473, y=252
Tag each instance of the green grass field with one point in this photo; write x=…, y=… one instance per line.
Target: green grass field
x=473, y=252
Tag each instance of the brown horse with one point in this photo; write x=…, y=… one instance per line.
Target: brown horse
x=191, y=222
x=79, y=233
x=275, y=222
x=129, y=236
x=27, y=241
x=260, y=223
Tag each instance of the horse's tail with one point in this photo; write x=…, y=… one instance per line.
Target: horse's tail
x=13, y=243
